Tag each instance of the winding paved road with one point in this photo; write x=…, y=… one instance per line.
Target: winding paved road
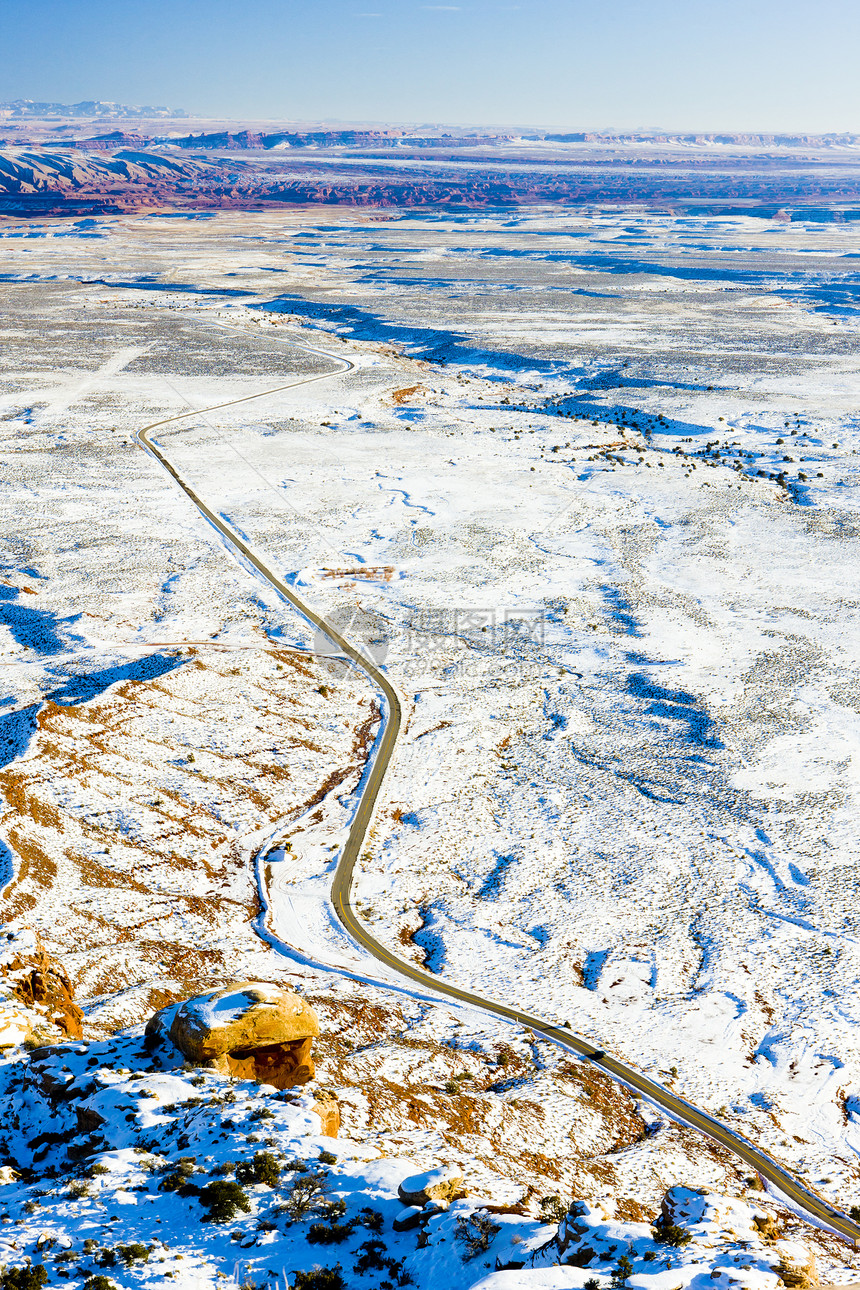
x=818, y=1210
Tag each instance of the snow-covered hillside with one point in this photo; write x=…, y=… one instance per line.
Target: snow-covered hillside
x=590, y=494
x=136, y=1167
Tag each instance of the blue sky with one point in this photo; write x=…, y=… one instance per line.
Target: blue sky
x=701, y=65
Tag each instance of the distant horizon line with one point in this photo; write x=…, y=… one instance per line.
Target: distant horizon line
x=10, y=110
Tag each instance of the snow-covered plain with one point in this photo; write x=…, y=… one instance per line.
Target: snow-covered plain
x=591, y=494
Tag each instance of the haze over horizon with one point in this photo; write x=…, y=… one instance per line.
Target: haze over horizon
x=553, y=64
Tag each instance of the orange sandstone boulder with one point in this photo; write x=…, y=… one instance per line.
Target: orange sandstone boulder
x=443, y=1184
x=252, y=1029
x=327, y=1108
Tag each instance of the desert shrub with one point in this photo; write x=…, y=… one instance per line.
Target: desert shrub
x=307, y=1194
x=107, y=1259
x=99, y=1283
x=371, y=1219
x=320, y=1279
x=132, y=1253
x=78, y=1188
x=670, y=1234
x=370, y=1257
x=622, y=1272
x=329, y=1233
x=455, y=1084
x=32, y=1278
x=854, y=1212
x=476, y=1231
x=177, y=1178
x=264, y=1168
x=223, y=1201
x=327, y=1158
x=552, y=1209
x=95, y=1171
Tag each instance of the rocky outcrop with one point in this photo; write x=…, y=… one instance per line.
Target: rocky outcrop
x=327, y=1108
x=408, y=1219
x=68, y=177
x=252, y=1029
x=39, y=982
x=797, y=1268
x=428, y=1195
x=769, y=1226
x=445, y=1184
x=15, y=1027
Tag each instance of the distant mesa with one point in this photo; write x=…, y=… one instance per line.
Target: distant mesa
x=20, y=108
x=738, y=139
x=117, y=170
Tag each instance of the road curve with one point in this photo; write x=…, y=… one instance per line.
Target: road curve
x=676, y=1107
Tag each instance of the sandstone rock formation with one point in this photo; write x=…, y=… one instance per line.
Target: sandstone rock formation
x=15, y=1027
x=327, y=1108
x=54, y=178
x=252, y=1029
x=445, y=1184
x=408, y=1219
x=39, y=982
x=797, y=1268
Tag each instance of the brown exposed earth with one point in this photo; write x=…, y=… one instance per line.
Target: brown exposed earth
x=512, y=1113
x=132, y=820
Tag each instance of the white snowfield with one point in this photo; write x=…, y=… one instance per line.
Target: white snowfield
x=591, y=496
